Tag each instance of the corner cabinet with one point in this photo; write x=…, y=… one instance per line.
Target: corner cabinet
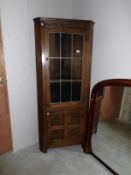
x=63, y=60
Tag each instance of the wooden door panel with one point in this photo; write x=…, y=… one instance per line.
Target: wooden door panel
x=75, y=127
x=65, y=128
x=55, y=127
x=5, y=129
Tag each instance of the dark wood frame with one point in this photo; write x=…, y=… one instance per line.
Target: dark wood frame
x=87, y=146
x=43, y=26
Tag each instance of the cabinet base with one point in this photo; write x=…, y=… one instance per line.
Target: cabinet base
x=87, y=148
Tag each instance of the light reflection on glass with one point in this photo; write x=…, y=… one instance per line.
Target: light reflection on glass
x=43, y=58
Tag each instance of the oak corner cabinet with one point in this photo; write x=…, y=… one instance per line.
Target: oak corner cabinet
x=63, y=60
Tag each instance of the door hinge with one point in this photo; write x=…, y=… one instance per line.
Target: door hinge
x=2, y=80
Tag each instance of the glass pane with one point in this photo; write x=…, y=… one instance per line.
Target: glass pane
x=57, y=120
x=55, y=92
x=57, y=134
x=65, y=91
x=54, y=45
x=66, y=69
x=65, y=45
x=76, y=69
x=60, y=46
x=76, y=91
x=54, y=69
x=77, y=45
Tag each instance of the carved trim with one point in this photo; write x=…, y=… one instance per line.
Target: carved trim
x=52, y=23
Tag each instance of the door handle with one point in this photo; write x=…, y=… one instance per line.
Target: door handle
x=47, y=113
x=2, y=80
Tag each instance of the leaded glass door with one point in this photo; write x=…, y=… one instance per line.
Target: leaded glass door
x=65, y=67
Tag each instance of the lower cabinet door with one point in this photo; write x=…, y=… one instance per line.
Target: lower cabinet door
x=65, y=128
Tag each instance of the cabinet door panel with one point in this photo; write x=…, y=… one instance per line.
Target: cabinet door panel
x=55, y=127
x=76, y=127
x=74, y=118
x=65, y=128
x=57, y=134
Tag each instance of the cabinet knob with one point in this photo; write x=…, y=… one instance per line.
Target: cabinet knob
x=47, y=113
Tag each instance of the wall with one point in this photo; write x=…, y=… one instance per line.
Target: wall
x=111, y=103
x=112, y=36
x=111, y=51
x=125, y=112
x=18, y=33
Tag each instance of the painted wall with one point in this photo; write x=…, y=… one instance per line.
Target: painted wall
x=112, y=36
x=111, y=51
x=18, y=33
x=125, y=112
x=111, y=103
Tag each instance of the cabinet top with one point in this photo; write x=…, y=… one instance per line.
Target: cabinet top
x=46, y=20
x=65, y=25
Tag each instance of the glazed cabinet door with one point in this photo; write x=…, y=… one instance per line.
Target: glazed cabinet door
x=65, y=68
x=65, y=90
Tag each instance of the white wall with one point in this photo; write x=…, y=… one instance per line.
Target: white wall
x=18, y=33
x=111, y=51
x=112, y=36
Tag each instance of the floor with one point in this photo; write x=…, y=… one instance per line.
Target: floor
x=112, y=143
x=59, y=161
